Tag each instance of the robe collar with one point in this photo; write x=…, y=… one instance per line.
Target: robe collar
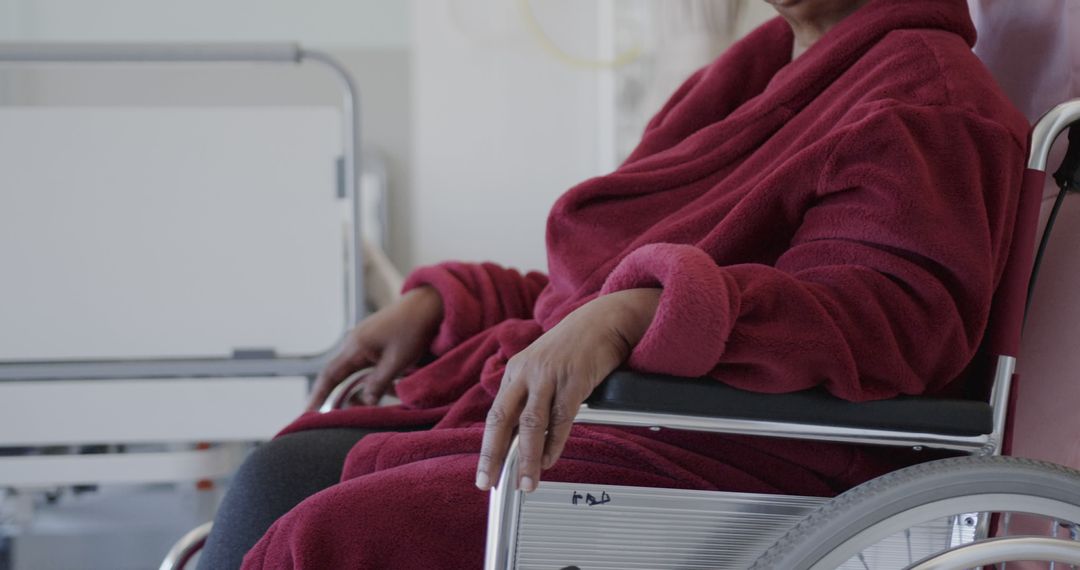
x=804, y=78
x=767, y=88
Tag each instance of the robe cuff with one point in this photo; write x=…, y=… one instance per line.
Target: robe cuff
x=698, y=307
x=462, y=314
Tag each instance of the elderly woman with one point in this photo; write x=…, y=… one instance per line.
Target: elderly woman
x=828, y=204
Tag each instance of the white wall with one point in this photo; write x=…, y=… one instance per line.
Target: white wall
x=371, y=37
x=500, y=128
x=482, y=128
x=355, y=23
x=753, y=14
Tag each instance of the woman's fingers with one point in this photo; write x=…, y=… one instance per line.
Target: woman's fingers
x=545, y=384
x=379, y=379
x=340, y=368
x=499, y=431
x=560, y=421
x=531, y=405
x=532, y=425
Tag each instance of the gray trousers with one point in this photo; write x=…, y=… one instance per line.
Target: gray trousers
x=275, y=478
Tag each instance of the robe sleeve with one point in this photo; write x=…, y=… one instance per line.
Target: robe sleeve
x=476, y=296
x=886, y=286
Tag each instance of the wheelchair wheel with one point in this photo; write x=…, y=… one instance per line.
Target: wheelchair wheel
x=840, y=533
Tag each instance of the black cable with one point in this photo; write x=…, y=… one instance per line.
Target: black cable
x=1065, y=185
x=1067, y=177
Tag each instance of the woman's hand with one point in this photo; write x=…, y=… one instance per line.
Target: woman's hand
x=545, y=384
x=390, y=340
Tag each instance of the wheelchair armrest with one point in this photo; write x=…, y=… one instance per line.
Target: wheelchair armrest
x=708, y=397
x=343, y=393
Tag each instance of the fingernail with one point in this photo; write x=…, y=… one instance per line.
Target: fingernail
x=482, y=481
x=527, y=484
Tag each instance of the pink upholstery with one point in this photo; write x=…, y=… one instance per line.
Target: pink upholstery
x=1028, y=48
x=1038, y=75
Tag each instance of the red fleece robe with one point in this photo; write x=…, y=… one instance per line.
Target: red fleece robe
x=839, y=220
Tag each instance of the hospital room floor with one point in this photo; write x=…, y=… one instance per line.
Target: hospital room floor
x=110, y=528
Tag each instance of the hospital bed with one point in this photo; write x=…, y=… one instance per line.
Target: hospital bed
x=978, y=508
x=151, y=419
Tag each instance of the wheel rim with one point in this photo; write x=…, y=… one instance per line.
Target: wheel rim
x=837, y=553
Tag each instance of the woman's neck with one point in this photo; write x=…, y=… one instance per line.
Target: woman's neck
x=812, y=19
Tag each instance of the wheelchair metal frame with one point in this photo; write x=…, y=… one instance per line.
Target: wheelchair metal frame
x=185, y=549
x=506, y=500
x=997, y=550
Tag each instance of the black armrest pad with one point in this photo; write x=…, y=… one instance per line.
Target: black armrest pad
x=632, y=391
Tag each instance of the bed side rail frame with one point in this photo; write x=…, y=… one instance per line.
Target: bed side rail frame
x=80, y=53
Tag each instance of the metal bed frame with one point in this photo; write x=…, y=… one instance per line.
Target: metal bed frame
x=256, y=365
x=39, y=53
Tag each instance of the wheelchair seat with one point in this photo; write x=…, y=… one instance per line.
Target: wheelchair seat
x=635, y=392
x=598, y=526
x=665, y=528
x=607, y=527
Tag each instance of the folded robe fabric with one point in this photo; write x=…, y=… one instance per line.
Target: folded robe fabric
x=840, y=220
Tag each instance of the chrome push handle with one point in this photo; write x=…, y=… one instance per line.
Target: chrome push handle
x=1047, y=130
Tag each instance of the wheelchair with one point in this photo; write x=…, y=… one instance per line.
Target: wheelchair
x=958, y=512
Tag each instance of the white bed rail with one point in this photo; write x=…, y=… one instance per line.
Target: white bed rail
x=38, y=53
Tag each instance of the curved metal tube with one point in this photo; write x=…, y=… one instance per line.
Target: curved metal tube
x=185, y=548
x=503, y=508
x=1048, y=128
x=999, y=401
x=342, y=393
x=1014, y=549
x=145, y=368
x=351, y=142
x=97, y=52
x=968, y=444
